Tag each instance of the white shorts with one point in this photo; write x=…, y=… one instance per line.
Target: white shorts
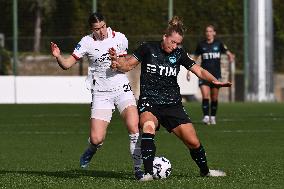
x=104, y=102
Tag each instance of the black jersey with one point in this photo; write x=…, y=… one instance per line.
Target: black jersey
x=159, y=70
x=211, y=55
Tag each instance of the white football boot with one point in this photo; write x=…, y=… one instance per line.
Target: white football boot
x=206, y=120
x=214, y=173
x=146, y=177
x=213, y=120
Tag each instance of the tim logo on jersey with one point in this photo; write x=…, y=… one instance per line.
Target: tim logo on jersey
x=211, y=55
x=162, y=70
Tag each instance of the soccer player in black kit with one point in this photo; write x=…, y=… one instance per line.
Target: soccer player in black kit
x=210, y=50
x=160, y=99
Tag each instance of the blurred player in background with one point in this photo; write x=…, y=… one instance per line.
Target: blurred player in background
x=108, y=87
x=160, y=98
x=210, y=50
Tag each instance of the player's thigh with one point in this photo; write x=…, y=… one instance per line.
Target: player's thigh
x=98, y=130
x=131, y=118
x=102, y=106
x=187, y=134
x=123, y=99
x=205, y=91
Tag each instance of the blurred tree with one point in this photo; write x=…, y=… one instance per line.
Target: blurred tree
x=66, y=22
x=41, y=8
x=278, y=17
x=5, y=61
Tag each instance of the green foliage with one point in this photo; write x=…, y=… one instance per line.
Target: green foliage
x=65, y=21
x=5, y=61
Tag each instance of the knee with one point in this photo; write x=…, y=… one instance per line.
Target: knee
x=193, y=143
x=149, y=127
x=95, y=139
x=132, y=128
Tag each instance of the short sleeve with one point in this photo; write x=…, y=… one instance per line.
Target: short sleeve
x=223, y=48
x=122, y=46
x=186, y=60
x=140, y=52
x=80, y=50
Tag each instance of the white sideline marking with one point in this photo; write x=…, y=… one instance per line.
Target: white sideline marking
x=84, y=133
x=43, y=133
x=249, y=131
x=56, y=115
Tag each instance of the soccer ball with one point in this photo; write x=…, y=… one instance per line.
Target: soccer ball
x=162, y=168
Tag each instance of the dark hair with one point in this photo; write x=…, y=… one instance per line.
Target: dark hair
x=175, y=25
x=95, y=18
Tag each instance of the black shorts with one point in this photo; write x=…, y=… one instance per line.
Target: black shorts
x=169, y=116
x=205, y=82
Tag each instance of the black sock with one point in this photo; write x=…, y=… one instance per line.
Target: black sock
x=94, y=147
x=214, y=105
x=148, y=150
x=198, y=155
x=205, y=106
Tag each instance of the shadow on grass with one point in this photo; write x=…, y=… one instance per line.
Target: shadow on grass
x=75, y=173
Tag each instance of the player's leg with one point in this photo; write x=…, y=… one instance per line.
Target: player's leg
x=149, y=123
x=126, y=105
x=187, y=134
x=101, y=113
x=131, y=119
x=214, y=104
x=98, y=128
x=205, y=91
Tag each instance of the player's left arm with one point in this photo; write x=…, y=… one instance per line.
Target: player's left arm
x=230, y=55
x=224, y=49
x=205, y=75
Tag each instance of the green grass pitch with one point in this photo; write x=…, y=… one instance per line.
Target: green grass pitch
x=40, y=146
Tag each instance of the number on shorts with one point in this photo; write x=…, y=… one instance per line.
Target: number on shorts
x=127, y=87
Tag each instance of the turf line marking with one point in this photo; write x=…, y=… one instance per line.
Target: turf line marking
x=249, y=131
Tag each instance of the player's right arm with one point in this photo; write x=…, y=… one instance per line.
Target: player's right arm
x=64, y=63
x=123, y=64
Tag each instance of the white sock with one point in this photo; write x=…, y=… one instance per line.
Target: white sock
x=135, y=150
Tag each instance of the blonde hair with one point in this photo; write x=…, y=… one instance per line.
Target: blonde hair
x=210, y=26
x=175, y=25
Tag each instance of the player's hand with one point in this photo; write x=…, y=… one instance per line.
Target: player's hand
x=222, y=84
x=55, y=51
x=114, y=60
x=112, y=54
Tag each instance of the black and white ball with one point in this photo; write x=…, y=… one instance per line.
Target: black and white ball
x=162, y=167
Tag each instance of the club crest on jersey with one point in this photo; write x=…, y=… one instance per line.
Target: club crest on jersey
x=78, y=46
x=172, y=59
x=215, y=48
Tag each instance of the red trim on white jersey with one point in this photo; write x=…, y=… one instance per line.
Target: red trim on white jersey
x=76, y=57
x=122, y=55
x=113, y=34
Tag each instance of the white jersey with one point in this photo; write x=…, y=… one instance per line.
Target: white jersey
x=97, y=52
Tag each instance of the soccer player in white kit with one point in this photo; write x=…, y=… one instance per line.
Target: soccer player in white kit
x=108, y=87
